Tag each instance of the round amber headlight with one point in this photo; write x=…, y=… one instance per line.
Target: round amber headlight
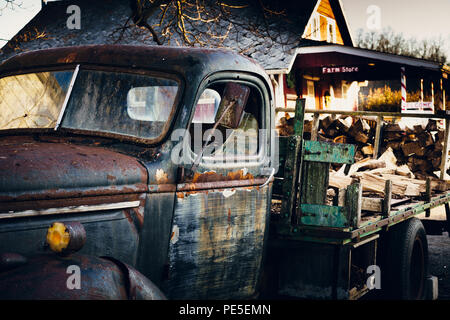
x=58, y=237
x=66, y=237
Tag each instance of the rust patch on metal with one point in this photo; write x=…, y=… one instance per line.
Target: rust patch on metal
x=71, y=57
x=161, y=177
x=212, y=176
x=221, y=184
x=32, y=170
x=162, y=188
x=180, y=195
x=239, y=175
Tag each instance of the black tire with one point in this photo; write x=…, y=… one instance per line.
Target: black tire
x=407, y=261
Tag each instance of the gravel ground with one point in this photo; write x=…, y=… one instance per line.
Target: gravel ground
x=439, y=258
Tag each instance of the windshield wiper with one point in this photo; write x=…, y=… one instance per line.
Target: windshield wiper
x=66, y=99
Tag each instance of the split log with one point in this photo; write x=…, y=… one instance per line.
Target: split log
x=413, y=148
x=369, y=181
x=431, y=125
x=425, y=139
x=344, y=125
x=375, y=183
x=367, y=150
x=436, y=185
x=359, y=131
x=366, y=164
x=404, y=171
x=393, y=135
x=392, y=127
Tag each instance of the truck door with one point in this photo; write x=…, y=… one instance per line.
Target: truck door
x=223, y=201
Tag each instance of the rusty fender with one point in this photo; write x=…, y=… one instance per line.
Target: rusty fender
x=47, y=277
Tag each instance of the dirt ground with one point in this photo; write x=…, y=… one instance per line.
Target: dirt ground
x=439, y=259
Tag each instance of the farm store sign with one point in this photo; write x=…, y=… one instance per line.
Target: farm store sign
x=339, y=69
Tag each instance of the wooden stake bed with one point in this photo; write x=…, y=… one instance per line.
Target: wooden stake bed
x=304, y=179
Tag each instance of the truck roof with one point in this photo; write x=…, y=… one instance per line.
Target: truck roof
x=187, y=62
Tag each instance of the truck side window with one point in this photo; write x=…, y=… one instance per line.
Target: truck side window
x=207, y=107
x=226, y=142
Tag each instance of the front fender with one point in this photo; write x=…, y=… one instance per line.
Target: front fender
x=73, y=277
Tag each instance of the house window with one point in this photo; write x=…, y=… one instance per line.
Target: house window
x=345, y=87
x=315, y=27
x=331, y=30
x=311, y=97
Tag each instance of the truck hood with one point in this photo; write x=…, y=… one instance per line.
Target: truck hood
x=33, y=170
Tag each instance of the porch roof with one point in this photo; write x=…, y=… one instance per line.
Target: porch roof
x=330, y=55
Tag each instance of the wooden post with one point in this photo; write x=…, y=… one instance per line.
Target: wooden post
x=299, y=117
x=315, y=127
x=438, y=97
x=432, y=93
x=428, y=196
x=447, y=213
x=443, y=94
x=445, y=151
x=293, y=164
x=387, y=199
x=377, y=137
x=353, y=204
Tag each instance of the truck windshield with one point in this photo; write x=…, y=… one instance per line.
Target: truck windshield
x=100, y=101
x=122, y=103
x=32, y=100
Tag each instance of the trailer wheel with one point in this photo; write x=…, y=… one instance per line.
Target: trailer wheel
x=407, y=260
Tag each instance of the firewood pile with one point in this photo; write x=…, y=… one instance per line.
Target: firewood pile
x=340, y=130
x=418, y=147
x=373, y=174
x=414, y=152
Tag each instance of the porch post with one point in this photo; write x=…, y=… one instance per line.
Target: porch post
x=432, y=93
x=403, y=82
x=447, y=133
x=421, y=90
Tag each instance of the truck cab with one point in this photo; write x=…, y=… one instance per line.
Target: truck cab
x=163, y=155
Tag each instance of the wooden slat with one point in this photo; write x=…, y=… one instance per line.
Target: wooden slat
x=315, y=127
x=386, y=208
x=320, y=151
x=377, y=137
x=321, y=215
x=353, y=204
x=372, y=204
x=293, y=162
x=325, y=9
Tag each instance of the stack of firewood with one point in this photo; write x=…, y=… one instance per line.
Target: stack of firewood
x=340, y=130
x=420, y=147
x=373, y=174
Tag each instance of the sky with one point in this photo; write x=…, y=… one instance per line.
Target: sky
x=13, y=18
x=414, y=18
x=418, y=18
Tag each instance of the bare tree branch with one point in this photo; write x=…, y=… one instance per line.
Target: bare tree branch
x=201, y=22
x=391, y=42
x=12, y=4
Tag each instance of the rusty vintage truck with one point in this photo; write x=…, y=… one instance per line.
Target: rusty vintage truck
x=107, y=157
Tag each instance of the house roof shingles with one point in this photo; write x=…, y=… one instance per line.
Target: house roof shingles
x=101, y=23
